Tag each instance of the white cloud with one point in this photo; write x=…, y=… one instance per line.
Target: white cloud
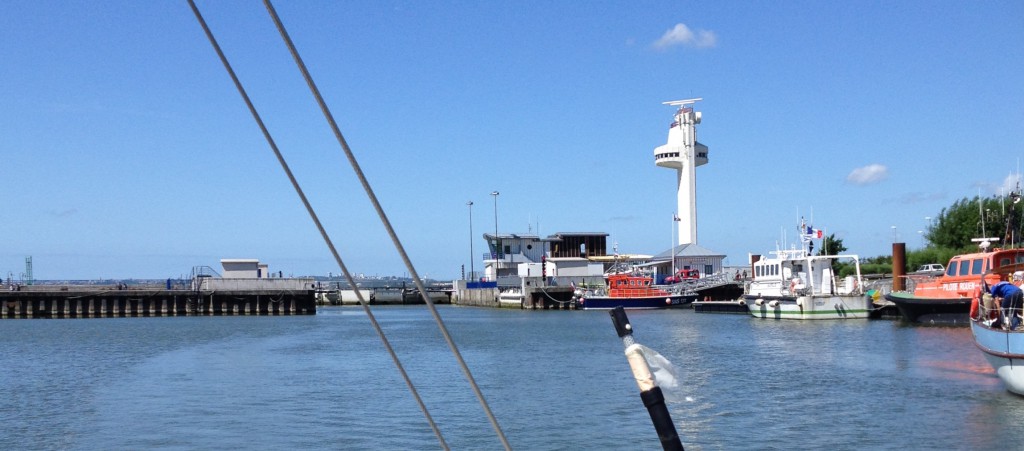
x=682, y=35
x=872, y=173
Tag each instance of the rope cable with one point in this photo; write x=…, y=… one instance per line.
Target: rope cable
x=316, y=220
x=386, y=223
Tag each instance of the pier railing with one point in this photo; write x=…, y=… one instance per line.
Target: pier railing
x=714, y=280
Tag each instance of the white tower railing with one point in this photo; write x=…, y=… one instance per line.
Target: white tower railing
x=683, y=153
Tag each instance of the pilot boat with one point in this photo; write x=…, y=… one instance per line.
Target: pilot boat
x=947, y=298
x=631, y=291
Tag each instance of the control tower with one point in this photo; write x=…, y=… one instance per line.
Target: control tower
x=683, y=153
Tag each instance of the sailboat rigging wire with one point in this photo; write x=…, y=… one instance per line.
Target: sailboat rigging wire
x=316, y=220
x=387, y=223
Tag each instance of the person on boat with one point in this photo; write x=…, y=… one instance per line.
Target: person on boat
x=1010, y=298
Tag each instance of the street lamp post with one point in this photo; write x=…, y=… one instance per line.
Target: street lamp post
x=471, y=256
x=497, y=243
x=675, y=220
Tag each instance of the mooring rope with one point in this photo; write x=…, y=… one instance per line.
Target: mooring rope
x=387, y=223
x=316, y=220
x=542, y=290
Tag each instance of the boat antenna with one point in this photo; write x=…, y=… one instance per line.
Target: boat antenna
x=1009, y=236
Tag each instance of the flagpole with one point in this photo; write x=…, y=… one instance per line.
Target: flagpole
x=673, y=249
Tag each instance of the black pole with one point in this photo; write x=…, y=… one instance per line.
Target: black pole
x=650, y=393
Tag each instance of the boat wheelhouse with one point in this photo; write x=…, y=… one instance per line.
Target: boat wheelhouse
x=947, y=298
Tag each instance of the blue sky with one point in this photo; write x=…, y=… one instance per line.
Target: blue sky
x=125, y=151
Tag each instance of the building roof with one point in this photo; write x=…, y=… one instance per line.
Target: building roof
x=490, y=236
x=687, y=250
x=619, y=257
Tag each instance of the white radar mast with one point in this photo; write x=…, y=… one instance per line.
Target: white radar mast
x=683, y=153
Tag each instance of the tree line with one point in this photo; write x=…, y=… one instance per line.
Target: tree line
x=949, y=233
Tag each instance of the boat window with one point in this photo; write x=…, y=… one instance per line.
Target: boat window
x=964, y=268
x=1020, y=258
x=647, y=282
x=951, y=271
x=976, y=266
x=1004, y=261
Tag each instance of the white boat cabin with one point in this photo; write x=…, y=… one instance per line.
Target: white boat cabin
x=792, y=272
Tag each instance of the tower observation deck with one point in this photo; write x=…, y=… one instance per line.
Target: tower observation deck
x=683, y=153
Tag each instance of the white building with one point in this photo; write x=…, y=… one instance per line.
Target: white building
x=564, y=254
x=243, y=268
x=249, y=274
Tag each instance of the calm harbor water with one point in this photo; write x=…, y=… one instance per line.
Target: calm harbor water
x=554, y=379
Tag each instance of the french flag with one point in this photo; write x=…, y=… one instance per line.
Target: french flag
x=814, y=233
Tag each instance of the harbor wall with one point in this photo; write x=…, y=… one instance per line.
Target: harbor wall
x=383, y=296
x=475, y=297
x=478, y=297
x=154, y=303
x=254, y=284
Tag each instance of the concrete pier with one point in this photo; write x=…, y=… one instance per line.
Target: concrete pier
x=105, y=303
